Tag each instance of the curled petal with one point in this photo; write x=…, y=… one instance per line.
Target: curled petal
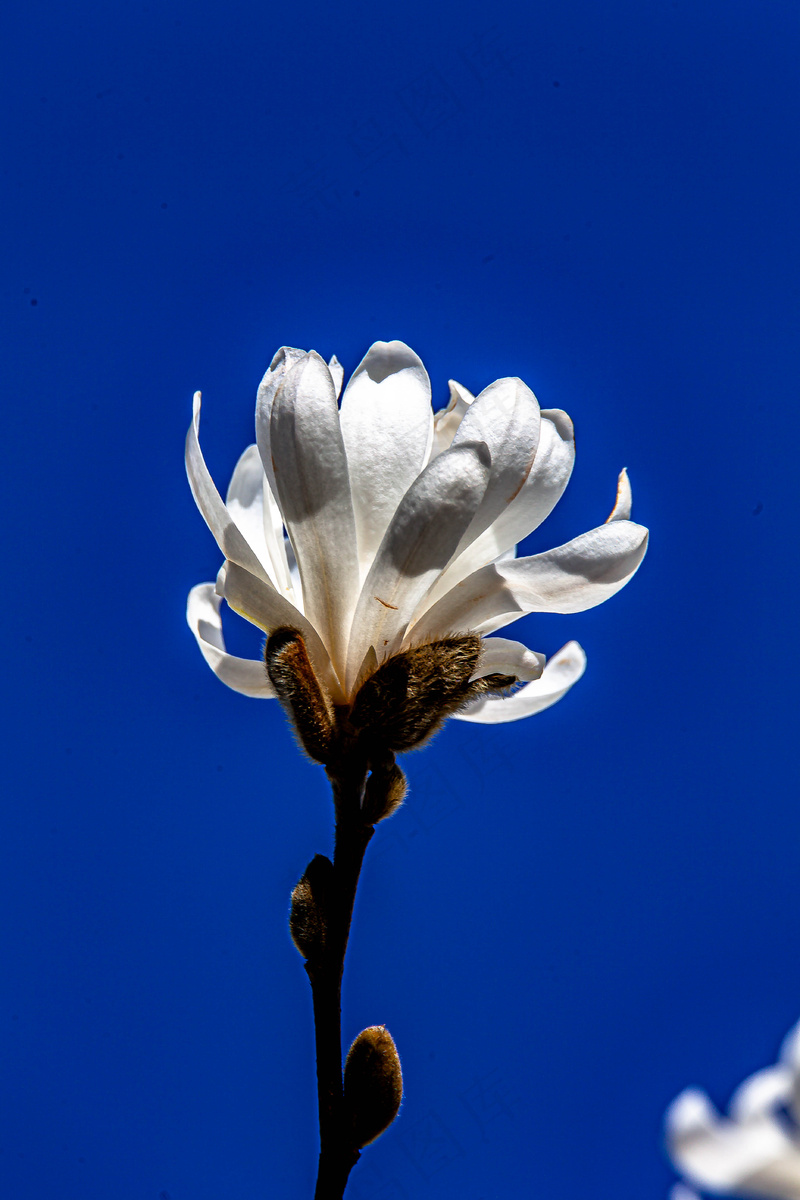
x=337, y=374
x=447, y=420
x=387, y=427
x=229, y=537
x=286, y=358
x=755, y=1156
x=313, y=490
x=624, y=501
x=499, y=656
x=422, y=537
x=244, y=675
x=562, y=671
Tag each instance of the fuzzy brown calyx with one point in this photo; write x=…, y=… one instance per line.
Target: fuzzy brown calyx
x=373, y=1084
x=303, y=697
x=402, y=703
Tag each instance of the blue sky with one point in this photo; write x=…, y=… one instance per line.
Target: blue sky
x=573, y=917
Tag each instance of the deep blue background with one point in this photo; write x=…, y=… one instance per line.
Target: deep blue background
x=573, y=917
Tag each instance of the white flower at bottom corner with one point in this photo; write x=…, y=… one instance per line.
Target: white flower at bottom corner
x=754, y=1151
x=379, y=526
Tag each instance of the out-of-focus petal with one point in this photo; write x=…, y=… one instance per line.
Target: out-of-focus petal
x=761, y=1094
x=263, y=606
x=571, y=578
x=447, y=420
x=244, y=675
x=229, y=537
x=790, y=1057
x=313, y=490
x=506, y=417
x=624, y=501
x=499, y=656
x=751, y=1158
x=337, y=374
x=538, y=496
x=387, y=426
x=424, y=532
x=562, y=671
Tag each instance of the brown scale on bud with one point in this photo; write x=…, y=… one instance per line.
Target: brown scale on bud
x=306, y=703
x=373, y=1084
x=409, y=697
x=308, y=920
x=385, y=790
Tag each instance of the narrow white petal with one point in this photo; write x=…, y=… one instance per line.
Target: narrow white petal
x=229, y=537
x=424, y=532
x=263, y=606
x=244, y=675
x=387, y=427
x=499, y=656
x=313, y=490
x=538, y=496
x=755, y=1157
x=447, y=420
x=286, y=358
x=761, y=1094
x=579, y=575
x=337, y=374
x=262, y=527
x=506, y=417
x=562, y=671
x=624, y=501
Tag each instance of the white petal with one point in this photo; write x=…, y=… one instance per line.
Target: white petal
x=447, y=420
x=761, y=1094
x=244, y=675
x=229, y=537
x=506, y=417
x=562, y=671
x=755, y=1157
x=313, y=490
x=425, y=531
x=261, y=605
x=540, y=493
x=387, y=427
x=681, y=1192
x=624, y=501
x=286, y=358
x=499, y=656
x=579, y=575
x=337, y=374
x=262, y=528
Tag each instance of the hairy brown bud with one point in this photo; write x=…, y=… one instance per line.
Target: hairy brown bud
x=385, y=790
x=306, y=703
x=409, y=696
x=308, y=916
x=373, y=1084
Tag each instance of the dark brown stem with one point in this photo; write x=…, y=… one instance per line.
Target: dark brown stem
x=338, y=1155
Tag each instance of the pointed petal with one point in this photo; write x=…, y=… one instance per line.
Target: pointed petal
x=228, y=536
x=286, y=358
x=506, y=417
x=425, y=531
x=447, y=420
x=313, y=490
x=263, y=606
x=624, y=501
x=499, y=656
x=337, y=374
x=387, y=427
x=539, y=494
x=579, y=575
x=562, y=671
x=756, y=1157
x=244, y=675
x=262, y=526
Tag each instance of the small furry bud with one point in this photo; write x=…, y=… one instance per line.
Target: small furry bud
x=308, y=922
x=384, y=792
x=373, y=1084
x=410, y=695
x=306, y=703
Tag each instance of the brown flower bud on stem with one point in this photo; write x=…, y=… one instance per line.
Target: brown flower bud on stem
x=373, y=1084
x=384, y=791
x=303, y=697
x=308, y=917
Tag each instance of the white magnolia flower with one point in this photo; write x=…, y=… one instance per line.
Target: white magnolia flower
x=755, y=1150
x=378, y=526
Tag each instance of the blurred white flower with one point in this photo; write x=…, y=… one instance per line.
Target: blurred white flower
x=755, y=1150
x=378, y=526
